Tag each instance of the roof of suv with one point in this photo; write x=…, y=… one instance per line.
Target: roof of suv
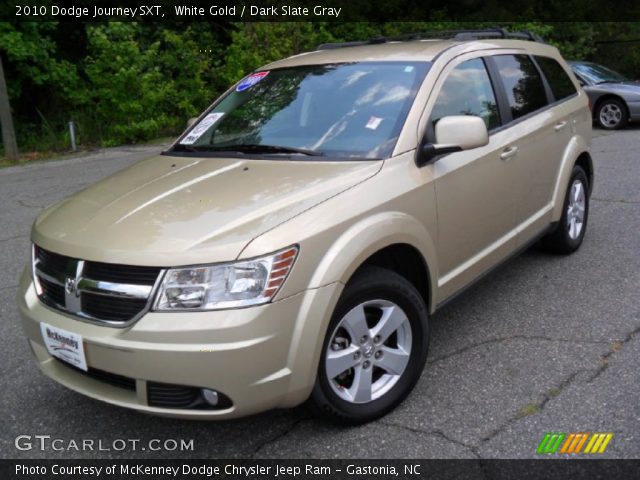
x=413, y=50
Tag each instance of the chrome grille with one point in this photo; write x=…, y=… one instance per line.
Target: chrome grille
x=52, y=292
x=100, y=292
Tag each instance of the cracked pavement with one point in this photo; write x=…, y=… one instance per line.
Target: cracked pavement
x=544, y=343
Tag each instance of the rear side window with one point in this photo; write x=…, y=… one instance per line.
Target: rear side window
x=560, y=83
x=468, y=91
x=523, y=84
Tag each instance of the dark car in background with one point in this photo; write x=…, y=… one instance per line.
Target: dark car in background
x=614, y=98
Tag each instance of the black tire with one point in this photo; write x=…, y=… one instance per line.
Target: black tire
x=612, y=103
x=560, y=241
x=374, y=283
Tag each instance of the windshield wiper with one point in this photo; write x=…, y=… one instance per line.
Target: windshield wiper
x=259, y=148
x=184, y=148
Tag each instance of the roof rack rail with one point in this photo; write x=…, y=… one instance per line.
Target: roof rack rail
x=357, y=43
x=461, y=35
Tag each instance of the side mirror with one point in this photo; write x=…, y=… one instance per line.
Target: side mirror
x=191, y=121
x=454, y=134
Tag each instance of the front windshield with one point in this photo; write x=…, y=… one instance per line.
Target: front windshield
x=595, y=73
x=338, y=110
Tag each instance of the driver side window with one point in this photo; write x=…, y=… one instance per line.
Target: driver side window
x=468, y=91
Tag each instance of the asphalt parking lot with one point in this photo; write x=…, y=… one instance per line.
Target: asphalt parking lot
x=545, y=343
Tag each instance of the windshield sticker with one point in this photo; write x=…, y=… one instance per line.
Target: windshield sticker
x=373, y=123
x=201, y=127
x=408, y=69
x=250, y=81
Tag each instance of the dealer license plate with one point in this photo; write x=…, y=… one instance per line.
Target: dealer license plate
x=67, y=346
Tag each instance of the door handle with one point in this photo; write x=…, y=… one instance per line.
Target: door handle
x=560, y=125
x=509, y=152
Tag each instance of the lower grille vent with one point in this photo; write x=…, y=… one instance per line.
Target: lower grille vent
x=182, y=397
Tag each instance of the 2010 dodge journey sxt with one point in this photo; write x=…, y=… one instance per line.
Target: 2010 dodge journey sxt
x=291, y=245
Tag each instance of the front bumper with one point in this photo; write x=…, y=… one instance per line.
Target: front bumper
x=260, y=357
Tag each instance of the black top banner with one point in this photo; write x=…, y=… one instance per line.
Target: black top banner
x=319, y=10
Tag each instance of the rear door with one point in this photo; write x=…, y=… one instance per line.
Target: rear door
x=561, y=124
x=541, y=128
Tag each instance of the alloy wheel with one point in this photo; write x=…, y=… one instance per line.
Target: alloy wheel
x=368, y=351
x=576, y=209
x=610, y=115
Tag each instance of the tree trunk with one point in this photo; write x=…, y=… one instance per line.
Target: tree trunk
x=8, y=134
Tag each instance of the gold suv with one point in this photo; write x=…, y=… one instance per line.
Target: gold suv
x=291, y=245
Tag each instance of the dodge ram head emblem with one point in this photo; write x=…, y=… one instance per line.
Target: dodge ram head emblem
x=70, y=286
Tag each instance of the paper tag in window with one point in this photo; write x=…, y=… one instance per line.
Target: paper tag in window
x=201, y=127
x=373, y=123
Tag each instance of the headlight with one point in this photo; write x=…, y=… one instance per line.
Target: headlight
x=225, y=285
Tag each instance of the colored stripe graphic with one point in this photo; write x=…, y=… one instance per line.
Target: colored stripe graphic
x=543, y=443
x=550, y=443
x=598, y=443
x=573, y=443
x=605, y=443
x=581, y=442
x=593, y=439
x=567, y=443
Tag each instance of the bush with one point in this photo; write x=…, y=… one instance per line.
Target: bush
x=142, y=90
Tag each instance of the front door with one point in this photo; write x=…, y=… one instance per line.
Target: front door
x=476, y=189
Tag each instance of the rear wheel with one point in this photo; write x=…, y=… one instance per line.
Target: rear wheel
x=569, y=234
x=375, y=348
x=612, y=114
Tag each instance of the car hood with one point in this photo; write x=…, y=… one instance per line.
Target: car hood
x=168, y=211
x=630, y=87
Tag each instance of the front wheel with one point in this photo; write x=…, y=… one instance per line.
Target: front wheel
x=612, y=114
x=375, y=348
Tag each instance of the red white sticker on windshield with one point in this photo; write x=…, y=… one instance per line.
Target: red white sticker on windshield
x=250, y=81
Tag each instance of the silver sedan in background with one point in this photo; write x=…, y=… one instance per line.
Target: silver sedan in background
x=614, y=99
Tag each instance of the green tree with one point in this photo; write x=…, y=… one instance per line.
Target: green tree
x=141, y=89
x=256, y=44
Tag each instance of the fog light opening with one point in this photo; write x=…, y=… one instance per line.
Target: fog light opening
x=210, y=396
